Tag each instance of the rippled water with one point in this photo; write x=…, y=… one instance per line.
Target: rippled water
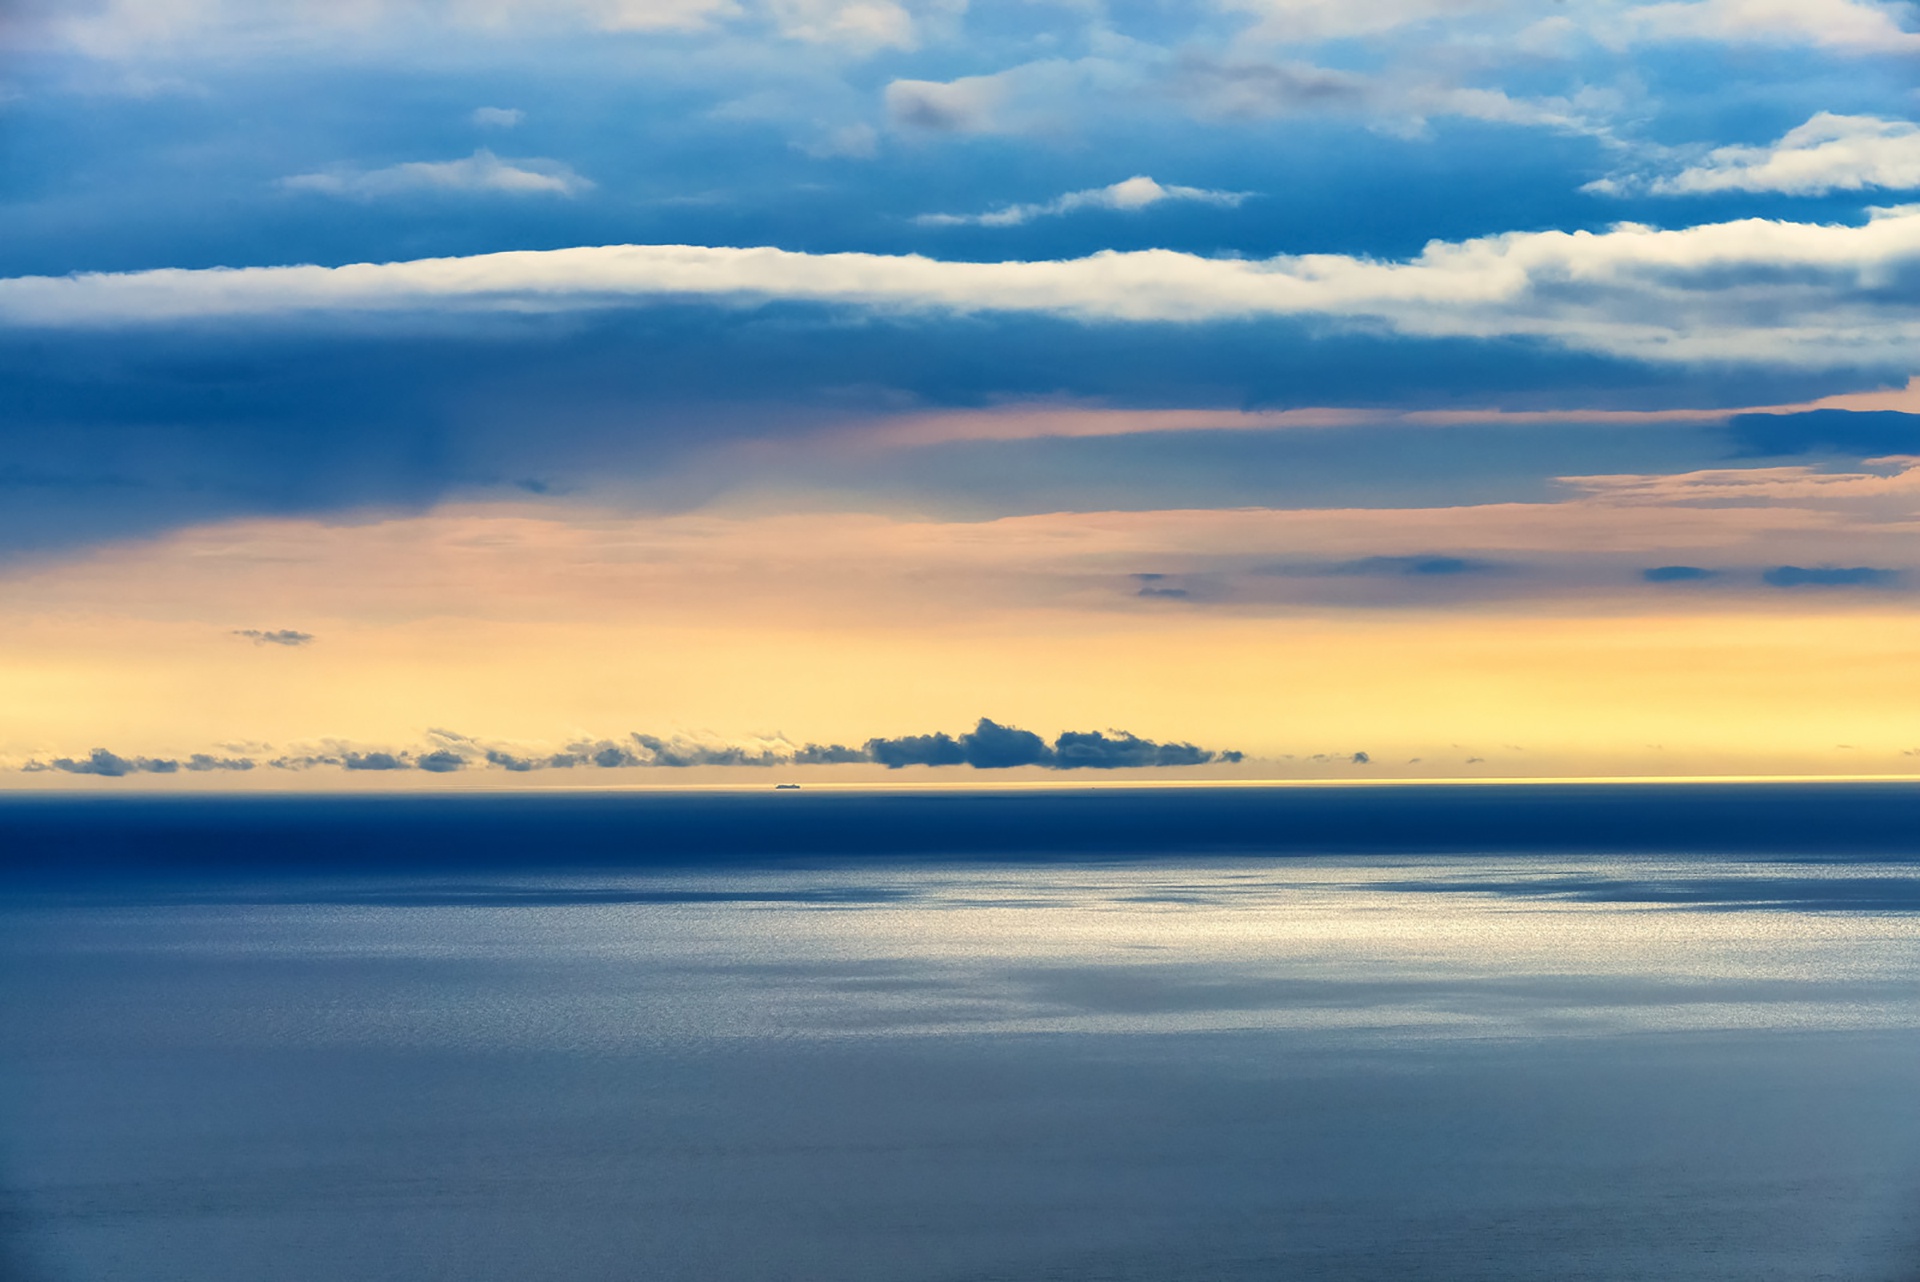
x=1360, y=1066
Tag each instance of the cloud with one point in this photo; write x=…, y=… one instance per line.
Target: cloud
x=988, y=746
x=1828, y=153
x=277, y=636
x=109, y=765
x=1308, y=21
x=1254, y=89
x=1859, y=576
x=1851, y=26
x=1385, y=567
x=372, y=761
x=863, y=26
x=150, y=29
x=1409, y=567
x=917, y=750
x=992, y=746
x=481, y=172
x=202, y=762
x=967, y=106
x=1138, y=192
x=1033, y=97
x=1750, y=291
x=1242, y=88
x=1678, y=574
x=1092, y=750
x=498, y=117
x=828, y=754
x=519, y=765
x=681, y=753
x=129, y=29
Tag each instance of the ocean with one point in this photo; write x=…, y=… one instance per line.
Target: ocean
x=1142, y=1034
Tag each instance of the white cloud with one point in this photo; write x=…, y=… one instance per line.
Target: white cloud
x=862, y=25
x=1754, y=290
x=1547, y=26
x=1827, y=153
x=481, y=172
x=1137, y=192
x=1856, y=26
x=142, y=29
x=1306, y=21
x=498, y=117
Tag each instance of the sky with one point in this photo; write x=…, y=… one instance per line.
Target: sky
x=464, y=393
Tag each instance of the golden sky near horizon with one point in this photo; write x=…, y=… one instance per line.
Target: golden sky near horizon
x=533, y=625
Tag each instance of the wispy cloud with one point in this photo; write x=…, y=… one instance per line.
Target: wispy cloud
x=276, y=636
x=498, y=117
x=481, y=172
x=1852, y=26
x=1830, y=576
x=1138, y=192
x=1828, y=153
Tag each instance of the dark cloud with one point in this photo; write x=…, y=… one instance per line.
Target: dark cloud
x=1385, y=567
x=992, y=746
x=1861, y=434
x=917, y=750
x=507, y=761
x=1255, y=90
x=829, y=754
x=201, y=761
x=1092, y=750
x=1678, y=574
x=988, y=746
x=125, y=433
x=1409, y=566
x=1858, y=576
x=1156, y=585
x=107, y=764
x=278, y=636
x=1361, y=759
x=613, y=757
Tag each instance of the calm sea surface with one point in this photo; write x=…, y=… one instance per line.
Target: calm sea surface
x=1409, y=1033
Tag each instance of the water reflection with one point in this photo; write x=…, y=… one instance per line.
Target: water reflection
x=1361, y=1067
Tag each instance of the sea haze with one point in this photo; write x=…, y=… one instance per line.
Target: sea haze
x=1566, y=1032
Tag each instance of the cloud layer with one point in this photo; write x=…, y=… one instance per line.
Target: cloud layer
x=1753, y=290
x=482, y=172
x=988, y=746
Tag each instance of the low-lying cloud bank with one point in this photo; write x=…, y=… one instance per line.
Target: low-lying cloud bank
x=1755, y=290
x=988, y=746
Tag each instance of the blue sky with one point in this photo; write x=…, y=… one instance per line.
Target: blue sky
x=1414, y=256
